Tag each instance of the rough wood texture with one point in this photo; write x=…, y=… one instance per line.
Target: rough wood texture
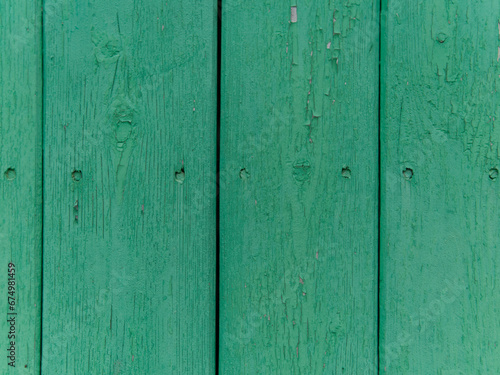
x=130, y=134
x=440, y=223
x=299, y=182
x=20, y=182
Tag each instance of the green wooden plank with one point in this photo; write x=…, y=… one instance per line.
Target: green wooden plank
x=440, y=224
x=130, y=155
x=20, y=185
x=299, y=187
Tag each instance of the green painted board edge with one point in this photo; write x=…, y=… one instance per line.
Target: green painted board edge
x=20, y=186
x=440, y=221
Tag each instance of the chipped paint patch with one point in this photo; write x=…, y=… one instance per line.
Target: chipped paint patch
x=293, y=15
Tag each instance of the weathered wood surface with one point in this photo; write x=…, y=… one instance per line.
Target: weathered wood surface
x=129, y=230
x=20, y=183
x=299, y=187
x=440, y=207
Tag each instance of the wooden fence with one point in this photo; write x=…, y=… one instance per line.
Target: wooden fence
x=266, y=187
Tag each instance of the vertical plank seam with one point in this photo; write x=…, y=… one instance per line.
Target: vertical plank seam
x=217, y=189
x=379, y=206
x=42, y=141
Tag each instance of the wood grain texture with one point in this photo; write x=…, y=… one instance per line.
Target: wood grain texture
x=20, y=182
x=130, y=152
x=299, y=183
x=440, y=225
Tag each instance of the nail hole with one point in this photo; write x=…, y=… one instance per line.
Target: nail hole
x=180, y=176
x=441, y=38
x=493, y=174
x=346, y=172
x=10, y=174
x=76, y=175
x=408, y=174
x=244, y=175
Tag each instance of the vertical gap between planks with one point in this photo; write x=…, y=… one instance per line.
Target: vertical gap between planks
x=42, y=156
x=217, y=201
x=379, y=247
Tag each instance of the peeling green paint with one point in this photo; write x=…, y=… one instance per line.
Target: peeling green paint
x=299, y=238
